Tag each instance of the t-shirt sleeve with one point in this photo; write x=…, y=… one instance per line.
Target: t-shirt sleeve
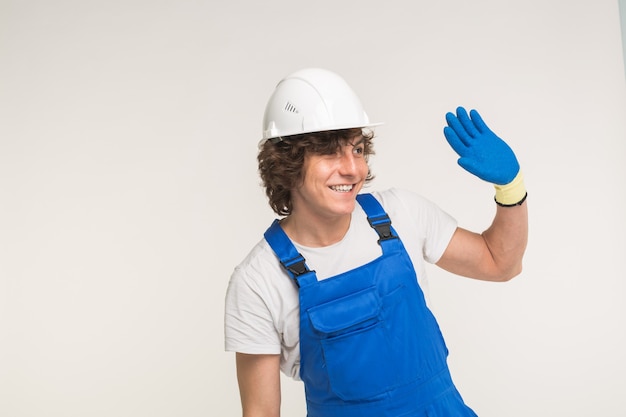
x=440, y=230
x=248, y=324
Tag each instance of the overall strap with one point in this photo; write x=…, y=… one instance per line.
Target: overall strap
x=293, y=262
x=377, y=218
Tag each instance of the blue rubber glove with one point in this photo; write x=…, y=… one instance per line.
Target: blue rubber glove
x=481, y=152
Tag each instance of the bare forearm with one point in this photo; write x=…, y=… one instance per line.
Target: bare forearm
x=507, y=238
x=494, y=255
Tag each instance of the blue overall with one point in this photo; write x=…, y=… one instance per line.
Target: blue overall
x=369, y=345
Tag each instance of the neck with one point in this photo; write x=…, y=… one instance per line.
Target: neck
x=316, y=233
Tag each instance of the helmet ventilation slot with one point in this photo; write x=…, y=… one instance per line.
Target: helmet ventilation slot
x=291, y=108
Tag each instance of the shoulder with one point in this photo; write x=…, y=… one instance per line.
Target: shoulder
x=259, y=299
x=421, y=223
x=405, y=203
x=260, y=258
x=260, y=272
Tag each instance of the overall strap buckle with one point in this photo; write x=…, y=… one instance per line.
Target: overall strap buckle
x=377, y=217
x=296, y=267
x=382, y=225
x=289, y=257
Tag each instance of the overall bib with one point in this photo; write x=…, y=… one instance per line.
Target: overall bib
x=369, y=345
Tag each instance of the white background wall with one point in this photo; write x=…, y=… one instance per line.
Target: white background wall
x=128, y=189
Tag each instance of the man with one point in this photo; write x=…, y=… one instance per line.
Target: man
x=331, y=295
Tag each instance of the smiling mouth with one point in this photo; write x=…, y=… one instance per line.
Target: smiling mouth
x=345, y=188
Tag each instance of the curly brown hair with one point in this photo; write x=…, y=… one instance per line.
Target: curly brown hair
x=281, y=162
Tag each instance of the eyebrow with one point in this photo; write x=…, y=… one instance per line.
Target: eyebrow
x=362, y=140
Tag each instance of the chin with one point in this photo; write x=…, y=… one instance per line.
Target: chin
x=346, y=207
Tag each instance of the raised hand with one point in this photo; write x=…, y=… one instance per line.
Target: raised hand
x=481, y=152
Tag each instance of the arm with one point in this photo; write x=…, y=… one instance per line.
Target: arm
x=496, y=254
x=259, y=384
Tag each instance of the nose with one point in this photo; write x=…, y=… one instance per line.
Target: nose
x=348, y=164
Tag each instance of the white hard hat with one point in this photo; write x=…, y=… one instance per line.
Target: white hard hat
x=312, y=100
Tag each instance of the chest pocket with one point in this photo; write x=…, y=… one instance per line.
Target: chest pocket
x=356, y=345
x=346, y=314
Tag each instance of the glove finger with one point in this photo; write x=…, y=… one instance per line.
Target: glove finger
x=458, y=128
x=478, y=122
x=466, y=122
x=454, y=141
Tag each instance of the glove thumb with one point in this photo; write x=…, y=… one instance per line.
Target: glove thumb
x=474, y=167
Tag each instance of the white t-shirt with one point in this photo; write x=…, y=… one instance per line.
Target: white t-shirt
x=262, y=313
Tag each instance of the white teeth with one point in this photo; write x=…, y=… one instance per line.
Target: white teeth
x=341, y=188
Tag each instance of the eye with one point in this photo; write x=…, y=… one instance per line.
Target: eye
x=359, y=149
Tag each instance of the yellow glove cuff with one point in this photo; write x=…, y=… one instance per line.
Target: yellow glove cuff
x=513, y=193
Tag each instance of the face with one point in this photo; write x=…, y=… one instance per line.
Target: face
x=330, y=183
